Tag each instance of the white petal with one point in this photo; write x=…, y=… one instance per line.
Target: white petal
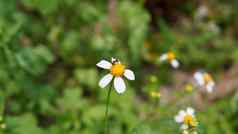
x=129, y=74
x=105, y=80
x=210, y=86
x=182, y=113
x=163, y=57
x=198, y=76
x=190, y=111
x=180, y=116
x=119, y=85
x=184, y=127
x=175, y=63
x=104, y=64
x=178, y=119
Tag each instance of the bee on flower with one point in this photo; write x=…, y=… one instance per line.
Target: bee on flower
x=204, y=79
x=117, y=72
x=171, y=58
x=187, y=119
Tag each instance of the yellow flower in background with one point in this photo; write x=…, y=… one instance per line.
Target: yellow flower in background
x=152, y=56
x=155, y=94
x=3, y=126
x=153, y=79
x=186, y=118
x=204, y=79
x=171, y=58
x=147, y=44
x=117, y=71
x=189, y=88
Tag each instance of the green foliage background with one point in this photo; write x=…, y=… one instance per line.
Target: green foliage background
x=49, y=81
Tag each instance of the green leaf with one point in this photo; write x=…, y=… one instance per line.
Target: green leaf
x=44, y=6
x=24, y=124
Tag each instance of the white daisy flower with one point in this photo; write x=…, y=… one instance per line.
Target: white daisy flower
x=117, y=71
x=201, y=13
x=205, y=80
x=186, y=118
x=170, y=56
x=213, y=27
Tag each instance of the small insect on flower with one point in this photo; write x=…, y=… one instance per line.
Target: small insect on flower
x=171, y=58
x=186, y=118
x=204, y=79
x=117, y=71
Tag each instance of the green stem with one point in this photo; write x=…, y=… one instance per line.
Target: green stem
x=107, y=108
x=2, y=106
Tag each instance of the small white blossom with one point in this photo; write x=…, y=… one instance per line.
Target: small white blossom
x=117, y=72
x=213, y=27
x=171, y=58
x=201, y=13
x=186, y=118
x=205, y=80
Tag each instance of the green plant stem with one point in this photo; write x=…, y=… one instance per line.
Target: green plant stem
x=107, y=109
x=2, y=107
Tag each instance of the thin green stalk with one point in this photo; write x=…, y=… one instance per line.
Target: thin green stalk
x=2, y=107
x=107, y=108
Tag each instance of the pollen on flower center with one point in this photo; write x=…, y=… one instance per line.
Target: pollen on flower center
x=171, y=56
x=207, y=77
x=189, y=120
x=117, y=69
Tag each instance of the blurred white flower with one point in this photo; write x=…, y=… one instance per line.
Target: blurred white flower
x=171, y=57
x=213, y=27
x=205, y=80
x=201, y=13
x=186, y=118
x=117, y=71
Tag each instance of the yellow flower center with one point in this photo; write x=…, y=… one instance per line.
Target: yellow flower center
x=207, y=77
x=171, y=56
x=117, y=69
x=189, y=120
